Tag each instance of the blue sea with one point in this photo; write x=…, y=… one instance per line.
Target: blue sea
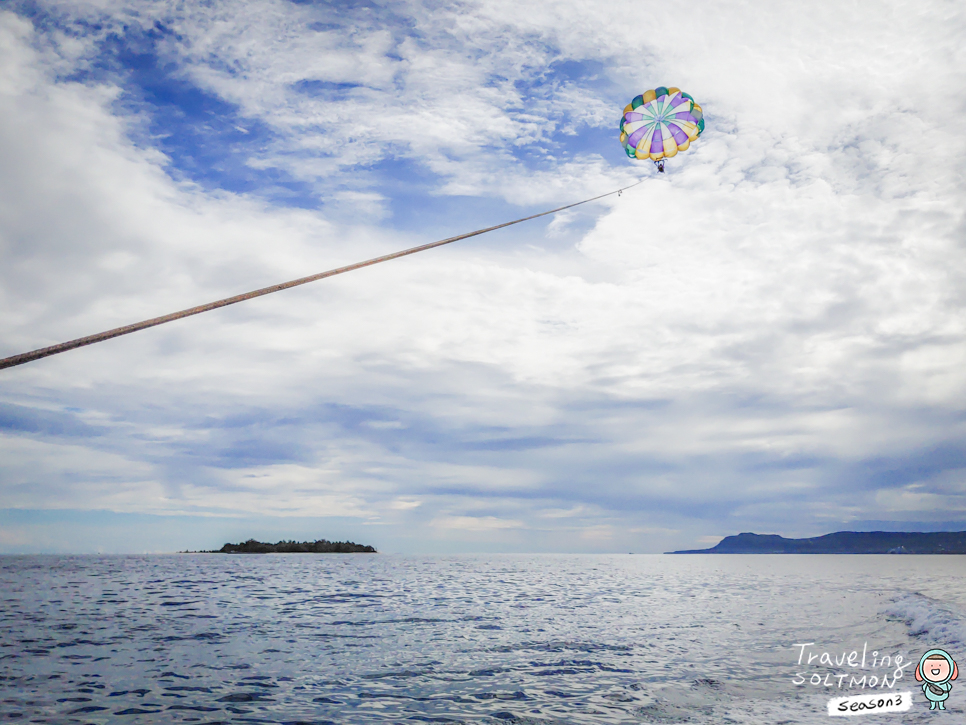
x=208, y=638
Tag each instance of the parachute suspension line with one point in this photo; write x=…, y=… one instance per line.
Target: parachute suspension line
x=26, y=357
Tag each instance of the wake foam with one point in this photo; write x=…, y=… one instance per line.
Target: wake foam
x=929, y=618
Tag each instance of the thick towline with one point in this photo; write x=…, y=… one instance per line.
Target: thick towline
x=13, y=360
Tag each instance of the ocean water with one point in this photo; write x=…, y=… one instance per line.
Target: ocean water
x=472, y=639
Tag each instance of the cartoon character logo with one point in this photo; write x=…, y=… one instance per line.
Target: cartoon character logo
x=936, y=671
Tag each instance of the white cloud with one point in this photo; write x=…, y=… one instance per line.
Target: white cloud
x=768, y=334
x=475, y=523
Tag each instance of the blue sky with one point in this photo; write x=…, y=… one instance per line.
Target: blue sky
x=769, y=338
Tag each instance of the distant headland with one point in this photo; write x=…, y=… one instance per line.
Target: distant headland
x=842, y=542
x=292, y=547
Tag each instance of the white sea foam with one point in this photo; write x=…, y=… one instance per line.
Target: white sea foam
x=930, y=619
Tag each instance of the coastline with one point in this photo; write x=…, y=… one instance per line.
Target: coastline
x=842, y=542
x=319, y=546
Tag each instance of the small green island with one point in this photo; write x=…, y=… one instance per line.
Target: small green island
x=320, y=546
x=842, y=542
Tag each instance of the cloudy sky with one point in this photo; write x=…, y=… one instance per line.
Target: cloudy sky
x=770, y=338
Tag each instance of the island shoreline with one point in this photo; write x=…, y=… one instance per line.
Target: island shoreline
x=842, y=542
x=319, y=546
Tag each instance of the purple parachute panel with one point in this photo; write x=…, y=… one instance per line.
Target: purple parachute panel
x=635, y=137
x=680, y=137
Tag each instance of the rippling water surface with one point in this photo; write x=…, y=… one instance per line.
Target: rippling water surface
x=481, y=639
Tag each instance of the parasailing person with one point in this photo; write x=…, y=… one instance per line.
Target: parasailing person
x=659, y=123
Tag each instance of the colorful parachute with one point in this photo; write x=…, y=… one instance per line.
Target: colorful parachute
x=659, y=123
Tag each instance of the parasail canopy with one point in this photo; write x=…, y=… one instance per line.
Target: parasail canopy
x=659, y=123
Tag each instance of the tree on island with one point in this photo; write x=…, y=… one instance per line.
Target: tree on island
x=321, y=546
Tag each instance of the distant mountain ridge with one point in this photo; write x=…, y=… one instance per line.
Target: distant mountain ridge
x=320, y=546
x=842, y=542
